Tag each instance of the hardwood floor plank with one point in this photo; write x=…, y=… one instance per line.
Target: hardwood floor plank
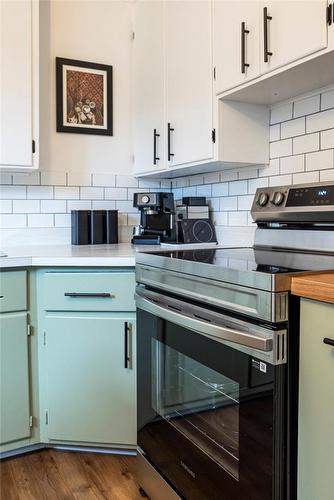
x=59, y=475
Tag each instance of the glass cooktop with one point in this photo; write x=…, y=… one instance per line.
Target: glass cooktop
x=254, y=259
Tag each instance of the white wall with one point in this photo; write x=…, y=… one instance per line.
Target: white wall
x=94, y=31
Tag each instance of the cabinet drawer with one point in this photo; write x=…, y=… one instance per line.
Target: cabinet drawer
x=13, y=291
x=100, y=291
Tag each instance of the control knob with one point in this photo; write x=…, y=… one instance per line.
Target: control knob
x=262, y=199
x=277, y=199
x=145, y=199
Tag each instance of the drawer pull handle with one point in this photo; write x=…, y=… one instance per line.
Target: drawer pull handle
x=127, y=334
x=2, y=296
x=329, y=341
x=101, y=295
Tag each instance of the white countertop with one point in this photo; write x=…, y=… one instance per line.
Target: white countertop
x=121, y=255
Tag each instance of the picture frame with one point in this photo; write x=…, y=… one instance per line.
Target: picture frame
x=84, y=97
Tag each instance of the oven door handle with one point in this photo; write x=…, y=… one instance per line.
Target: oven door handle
x=207, y=328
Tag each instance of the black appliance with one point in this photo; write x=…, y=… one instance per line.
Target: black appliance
x=218, y=347
x=93, y=227
x=157, y=218
x=196, y=231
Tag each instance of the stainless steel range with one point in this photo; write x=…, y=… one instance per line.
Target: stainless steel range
x=218, y=344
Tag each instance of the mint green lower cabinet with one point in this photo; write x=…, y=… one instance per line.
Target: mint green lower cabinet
x=91, y=395
x=14, y=361
x=316, y=403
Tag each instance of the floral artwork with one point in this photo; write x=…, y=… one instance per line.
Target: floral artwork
x=84, y=97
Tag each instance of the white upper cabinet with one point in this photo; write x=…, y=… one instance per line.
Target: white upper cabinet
x=18, y=84
x=189, y=81
x=291, y=30
x=149, y=87
x=236, y=43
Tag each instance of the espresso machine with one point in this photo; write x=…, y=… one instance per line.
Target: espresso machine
x=157, y=219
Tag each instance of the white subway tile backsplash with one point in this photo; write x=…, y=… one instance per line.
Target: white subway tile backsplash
x=149, y=183
x=238, y=187
x=91, y=193
x=204, y=190
x=189, y=191
x=122, y=219
x=53, y=206
x=245, y=202
x=133, y=219
x=103, y=205
x=320, y=121
x=213, y=204
x=275, y=132
x=6, y=206
x=53, y=178
x=77, y=205
x=248, y=173
x=327, y=100
x=40, y=220
x=327, y=175
x=79, y=179
x=291, y=164
x=13, y=192
x=281, y=113
x=66, y=193
x=126, y=181
x=116, y=194
x=63, y=220
x=272, y=169
x=229, y=175
x=129, y=193
x=280, y=148
x=104, y=180
x=237, y=218
x=13, y=221
x=280, y=180
x=327, y=139
x=220, y=189
x=306, y=143
x=126, y=207
x=27, y=179
x=305, y=177
x=220, y=218
x=228, y=203
x=40, y=192
x=293, y=128
x=321, y=160
x=253, y=184
x=306, y=106
x=26, y=206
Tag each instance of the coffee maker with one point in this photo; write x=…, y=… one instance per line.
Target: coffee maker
x=157, y=219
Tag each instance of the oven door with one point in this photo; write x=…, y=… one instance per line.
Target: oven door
x=211, y=410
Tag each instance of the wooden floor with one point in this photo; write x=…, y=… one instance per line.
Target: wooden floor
x=53, y=475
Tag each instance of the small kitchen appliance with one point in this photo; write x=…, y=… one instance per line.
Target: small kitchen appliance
x=157, y=218
x=218, y=351
x=94, y=227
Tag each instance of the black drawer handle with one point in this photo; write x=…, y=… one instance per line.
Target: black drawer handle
x=329, y=341
x=155, y=157
x=244, y=32
x=127, y=333
x=2, y=296
x=266, y=18
x=88, y=295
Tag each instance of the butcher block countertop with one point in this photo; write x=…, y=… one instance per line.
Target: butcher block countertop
x=314, y=286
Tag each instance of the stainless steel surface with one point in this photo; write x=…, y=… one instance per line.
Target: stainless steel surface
x=242, y=300
x=275, y=207
x=308, y=240
x=152, y=483
x=216, y=326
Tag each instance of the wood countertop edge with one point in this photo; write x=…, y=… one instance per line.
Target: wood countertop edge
x=315, y=286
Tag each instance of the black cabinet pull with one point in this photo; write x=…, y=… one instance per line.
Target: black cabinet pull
x=330, y=14
x=329, y=341
x=169, y=131
x=266, y=18
x=244, y=32
x=127, y=358
x=88, y=295
x=155, y=157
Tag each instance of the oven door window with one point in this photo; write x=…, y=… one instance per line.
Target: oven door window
x=199, y=402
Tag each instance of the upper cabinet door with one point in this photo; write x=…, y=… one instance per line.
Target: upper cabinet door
x=189, y=81
x=149, y=86
x=236, y=31
x=18, y=85
x=291, y=30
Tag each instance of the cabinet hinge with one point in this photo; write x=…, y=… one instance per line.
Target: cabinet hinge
x=29, y=330
x=44, y=338
x=133, y=35
x=330, y=14
x=33, y=146
x=214, y=72
x=213, y=135
x=30, y=421
x=46, y=417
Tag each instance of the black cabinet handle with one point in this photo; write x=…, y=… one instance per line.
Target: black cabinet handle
x=155, y=157
x=266, y=18
x=244, y=32
x=330, y=17
x=88, y=295
x=329, y=341
x=169, y=131
x=127, y=359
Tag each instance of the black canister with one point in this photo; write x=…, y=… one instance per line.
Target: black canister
x=112, y=226
x=81, y=227
x=98, y=227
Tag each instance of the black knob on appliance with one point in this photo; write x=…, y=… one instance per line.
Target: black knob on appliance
x=278, y=198
x=263, y=199
x=145, y=199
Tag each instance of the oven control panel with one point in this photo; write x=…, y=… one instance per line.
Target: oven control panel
x=298, y=202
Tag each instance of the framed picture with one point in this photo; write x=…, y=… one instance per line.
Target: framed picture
x=84, y=97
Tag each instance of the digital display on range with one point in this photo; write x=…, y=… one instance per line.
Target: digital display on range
x=311, y=197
